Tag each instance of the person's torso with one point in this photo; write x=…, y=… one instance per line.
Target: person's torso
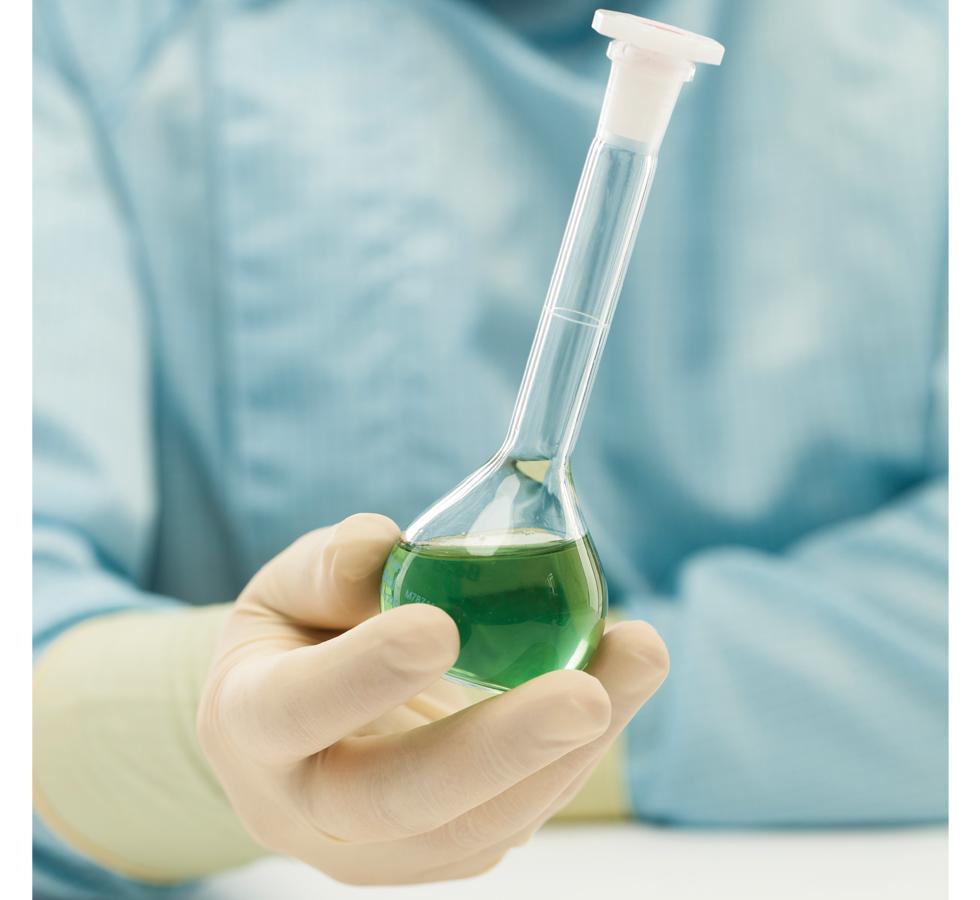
x=349, y=213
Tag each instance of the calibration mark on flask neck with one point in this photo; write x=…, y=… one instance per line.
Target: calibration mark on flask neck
x=577, y=317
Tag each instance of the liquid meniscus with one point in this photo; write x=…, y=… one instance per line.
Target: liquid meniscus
x=525, y=602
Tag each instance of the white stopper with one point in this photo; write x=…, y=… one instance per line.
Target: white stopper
x=650, y=63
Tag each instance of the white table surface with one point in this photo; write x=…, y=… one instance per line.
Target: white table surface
x=607, y=862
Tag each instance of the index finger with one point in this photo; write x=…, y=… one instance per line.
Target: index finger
x=281, y=706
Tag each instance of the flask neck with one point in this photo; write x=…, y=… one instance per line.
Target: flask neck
x=581, y=300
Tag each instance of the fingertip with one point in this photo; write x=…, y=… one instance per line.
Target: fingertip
x=360, y=544
x=571, y=680
x=646, y=645
x=590, y=697
x=418, y=637
x=632, y=656
x=367, y=525
x=580, y=695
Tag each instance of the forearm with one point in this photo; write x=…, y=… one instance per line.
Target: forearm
x=807, y=687
x=118, y=773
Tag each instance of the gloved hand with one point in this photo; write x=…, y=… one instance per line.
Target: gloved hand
x=338, y=744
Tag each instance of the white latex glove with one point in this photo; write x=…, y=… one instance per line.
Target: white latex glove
x=338, y=744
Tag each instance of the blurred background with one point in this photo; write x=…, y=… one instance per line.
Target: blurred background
x=313, y=240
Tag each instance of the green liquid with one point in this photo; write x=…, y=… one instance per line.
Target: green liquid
x=522, y=608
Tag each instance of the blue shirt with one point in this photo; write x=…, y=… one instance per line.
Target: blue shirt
x=288, y=262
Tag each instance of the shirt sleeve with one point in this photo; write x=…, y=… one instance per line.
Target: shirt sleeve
x=94, y=493
x=805, y=688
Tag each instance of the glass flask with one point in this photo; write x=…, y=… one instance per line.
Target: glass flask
x=507, y=553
